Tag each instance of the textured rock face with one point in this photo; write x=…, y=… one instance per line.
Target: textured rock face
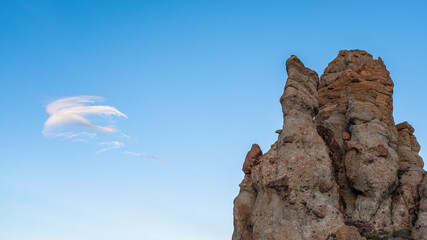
x=339, y=160
x=420, y=229
x=348, y=233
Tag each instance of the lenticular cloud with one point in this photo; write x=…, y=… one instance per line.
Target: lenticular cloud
x=69, y=116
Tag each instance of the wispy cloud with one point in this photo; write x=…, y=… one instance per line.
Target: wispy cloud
x=74, y=118
x=69, y=115
x=110, y=145
x=144, y=155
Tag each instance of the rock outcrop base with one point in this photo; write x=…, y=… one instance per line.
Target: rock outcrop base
x=341, y=168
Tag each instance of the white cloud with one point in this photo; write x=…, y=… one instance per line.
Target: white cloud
x=69, y=115
x=110, y=145
x=144, y=155
x=71, y=118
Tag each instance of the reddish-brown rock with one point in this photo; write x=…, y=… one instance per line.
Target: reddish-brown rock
x=348, y=233
x=252, y=158
x=345, y=136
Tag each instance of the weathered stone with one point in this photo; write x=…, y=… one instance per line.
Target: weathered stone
x=339, y=155
x=348, y=233
x=288, y=139
x=358, y=88
x=325, y=186
x=408, y=146
x=345, y=136
x=405, y=200
x=379, y=151
x=252, y=158
x=405, y=125
x=420, y=229
x=287, y=189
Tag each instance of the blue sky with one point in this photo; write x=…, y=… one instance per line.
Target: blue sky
x=199, y=82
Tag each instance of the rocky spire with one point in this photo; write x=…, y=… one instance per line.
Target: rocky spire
x=339, y=160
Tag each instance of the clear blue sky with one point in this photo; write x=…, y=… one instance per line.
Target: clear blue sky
x=199, y=81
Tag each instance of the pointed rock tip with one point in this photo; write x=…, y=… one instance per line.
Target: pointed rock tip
x=252, y=158
x=293, y=59
x=256, y=147
x=405, y=125
x=293, y=62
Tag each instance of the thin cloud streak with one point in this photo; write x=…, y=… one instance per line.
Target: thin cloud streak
x=144, y=155
x=80, y=134
x=110, y=146
x=70, y=113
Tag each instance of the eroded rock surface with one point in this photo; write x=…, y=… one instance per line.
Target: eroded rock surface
x=420, y=228
x=348, y=233
x=339, y=161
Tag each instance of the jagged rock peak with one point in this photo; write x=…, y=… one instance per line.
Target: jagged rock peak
x=340, y=163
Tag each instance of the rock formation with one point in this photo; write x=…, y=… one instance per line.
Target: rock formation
x=340, y=163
